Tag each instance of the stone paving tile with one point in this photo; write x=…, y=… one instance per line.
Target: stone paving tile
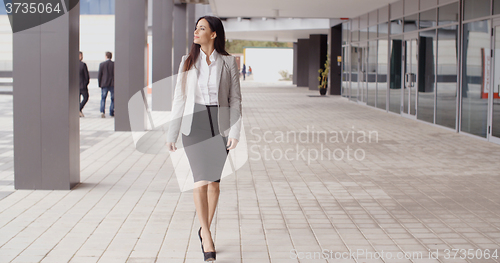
x=93, y=129
x=325, y=177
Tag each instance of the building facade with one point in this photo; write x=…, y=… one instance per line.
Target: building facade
x=435, y=61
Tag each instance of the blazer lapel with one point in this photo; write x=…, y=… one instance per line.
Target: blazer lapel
x=219, y=63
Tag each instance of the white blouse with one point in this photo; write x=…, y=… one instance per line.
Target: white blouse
x=208, y=91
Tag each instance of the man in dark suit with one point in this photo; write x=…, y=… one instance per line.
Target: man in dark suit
x=106, y=79
x=84, y=83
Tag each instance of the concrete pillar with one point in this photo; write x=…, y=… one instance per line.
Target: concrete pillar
x=130, y=63
x=202, y=10
x=335, y=67
x=295, y=62
x=162, y=54
x=46, y=103
x=318, y=46
x=180, y=38
x=303, y=63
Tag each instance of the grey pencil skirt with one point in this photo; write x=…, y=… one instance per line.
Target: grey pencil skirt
x=204, y=146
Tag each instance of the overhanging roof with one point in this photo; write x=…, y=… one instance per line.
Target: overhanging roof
x=296, y=8
x=276, y=29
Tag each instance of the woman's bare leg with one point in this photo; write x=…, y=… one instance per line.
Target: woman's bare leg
x=213, y=199
x=202, y=210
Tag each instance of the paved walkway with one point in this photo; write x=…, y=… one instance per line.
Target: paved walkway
x=385, y=184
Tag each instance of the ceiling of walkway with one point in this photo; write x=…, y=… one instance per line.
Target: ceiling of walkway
x=295, y=8
x=271, y=35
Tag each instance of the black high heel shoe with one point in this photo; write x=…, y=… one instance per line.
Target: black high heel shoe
x=199, y=235
x=208, y=256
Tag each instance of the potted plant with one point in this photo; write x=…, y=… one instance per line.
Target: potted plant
x=323, y=76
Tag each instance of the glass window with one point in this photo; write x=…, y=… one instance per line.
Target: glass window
x=372, y=32
x=476, y=68
x=382, y=73
x=363, y=34
x=495, y=118
x=97, y=7
x=396, y=26
x=355, y=36
x=426, y=75
x=362, y=70
x=496, y=7
x=410, y=73
x=447, y=79
x=345, y=72
x=476, y=8
x=345, y=33
x=3, y=11
x=371, y=78
x=410, y=23
x=395, y=77
x=448, y=14
x=428, y=19
x=355, y=57
x=383, y=30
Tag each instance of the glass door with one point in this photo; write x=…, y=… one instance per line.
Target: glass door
x=365, y=73
x=354, y=62
x=362, y=73
x=395, y=75
x=410, y=76
x=493, y=93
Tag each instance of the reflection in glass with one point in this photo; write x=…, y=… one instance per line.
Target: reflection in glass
x=448, y=14
x=447, y=79
x=363, y=34
x=428, y=19
x=345, y=73
x=383, y=30
x=476, y=8
x=426, y=78
x=372, y=32
x=476, y=60
x=345, y=32
x=410, y=79
x=410, y=23
x=363, y=59
x=382, y=73
x=354, y=35
x=372, y=73
x=395, y=77
x=396, y=26
x=495, y=124
x=496, y=7
x=354, y=71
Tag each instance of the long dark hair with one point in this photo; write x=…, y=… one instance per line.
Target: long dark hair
x=219, y=44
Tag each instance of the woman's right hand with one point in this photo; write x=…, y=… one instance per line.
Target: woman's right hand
x=171, y=146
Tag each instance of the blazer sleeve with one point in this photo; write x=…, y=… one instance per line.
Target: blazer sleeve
x=112, y=73
x=99, y=75
x=86, y=73
x=178, y=104
x=235, y=113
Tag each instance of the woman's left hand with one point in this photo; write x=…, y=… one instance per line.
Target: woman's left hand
x=231, y=143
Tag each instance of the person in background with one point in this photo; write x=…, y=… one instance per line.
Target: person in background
x=84, y=83
x=244, y=71
x=106, y=79
x=249, y=70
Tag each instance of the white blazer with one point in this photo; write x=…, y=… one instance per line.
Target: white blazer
x=229, y=100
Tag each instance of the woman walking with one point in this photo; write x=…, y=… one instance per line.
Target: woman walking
x=207, y=110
